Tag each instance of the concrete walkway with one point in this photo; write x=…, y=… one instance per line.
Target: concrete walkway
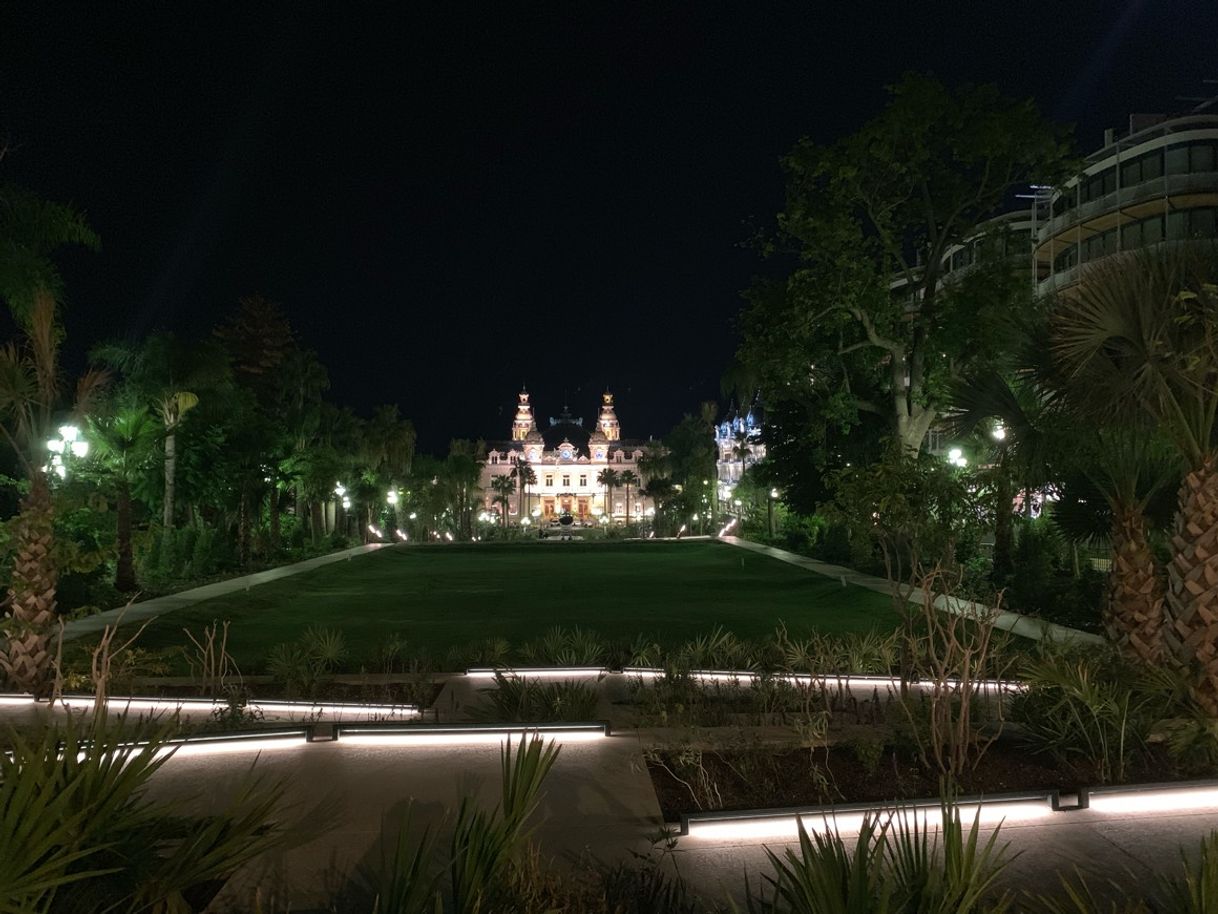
x=150, y=609
x=1016, y=623
x=598, y=807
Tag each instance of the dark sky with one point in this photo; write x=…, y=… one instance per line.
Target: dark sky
x=450, y=199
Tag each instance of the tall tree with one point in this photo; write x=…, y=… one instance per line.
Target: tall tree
x=503, y=487
x=170, y=375
x=891, y=202
x=31, y=231
x=123, y=444
x=390, y=441
x=610, y=479
x=525, y=476
x=1141, y=332
x=462, y=467
x=628, y=479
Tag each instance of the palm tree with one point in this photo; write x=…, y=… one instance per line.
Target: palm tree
x=29, y=378
x=503, y=486
x=122, y=445
x=525, y=477
x=31, y=230
x=609, y=478
x=659, y=489
x=1140, y=333
x=628, y=478
x=389, y=442
x=171, y=376
x=1120, y=473
x=1017, y=419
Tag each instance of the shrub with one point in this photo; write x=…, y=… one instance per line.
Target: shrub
x=78, y=832
x=521, y=700
x=1093, y=708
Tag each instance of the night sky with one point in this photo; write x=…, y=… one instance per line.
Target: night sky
x=452, y=199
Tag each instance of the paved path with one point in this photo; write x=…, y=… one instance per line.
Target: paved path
x=598, y=806
x=1015, y=623
x=150, y=609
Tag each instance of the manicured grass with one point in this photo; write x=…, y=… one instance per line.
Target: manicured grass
x=438, y=597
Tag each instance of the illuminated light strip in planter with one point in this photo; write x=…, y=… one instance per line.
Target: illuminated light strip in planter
x=844, y=680
x=172, y=705
x=225, y=744
x=472, y=735
x=783, y=824
x=486, y=672
x=1183, y=796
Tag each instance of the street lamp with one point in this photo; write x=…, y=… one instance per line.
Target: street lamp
x=68, y=444
x=999, y=433
x=956, y=457
x=770, y=510
x=392, y=497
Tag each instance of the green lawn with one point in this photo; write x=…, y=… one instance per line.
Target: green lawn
x=439, y=597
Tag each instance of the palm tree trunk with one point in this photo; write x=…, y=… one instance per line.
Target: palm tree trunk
x=124, y=574
x=1133, y=615
x=243, y=526
x=318, y=521
x=627, y=504
x=275, y=520
x=26, y=657
x=1192, y=596
x=1004, y=520
x=171, y=476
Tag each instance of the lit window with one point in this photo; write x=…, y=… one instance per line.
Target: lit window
x=583, y=480
x=566, y=482
x=549, y=480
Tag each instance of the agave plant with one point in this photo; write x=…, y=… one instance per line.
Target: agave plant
x=74, y=817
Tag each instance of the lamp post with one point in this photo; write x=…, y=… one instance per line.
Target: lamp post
x=69, y=445
x=770, y=509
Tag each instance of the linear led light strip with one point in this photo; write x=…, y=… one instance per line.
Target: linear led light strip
x=333, y=709
x=785, y=826
x=1180, y=798
x=1157, y=798
x=467, y=736
x=843, y=679
x=538, y=671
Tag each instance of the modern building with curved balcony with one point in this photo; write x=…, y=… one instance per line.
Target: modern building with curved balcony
x=1157, y=183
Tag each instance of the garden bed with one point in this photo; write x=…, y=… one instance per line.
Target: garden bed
x=759, y=776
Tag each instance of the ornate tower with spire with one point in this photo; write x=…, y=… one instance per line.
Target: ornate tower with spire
x=523, y=423
x=607, y=422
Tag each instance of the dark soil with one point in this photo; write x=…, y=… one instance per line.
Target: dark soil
x=776, y=777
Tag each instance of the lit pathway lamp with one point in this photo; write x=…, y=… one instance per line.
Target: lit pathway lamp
x=68, y=446
x=770, y=509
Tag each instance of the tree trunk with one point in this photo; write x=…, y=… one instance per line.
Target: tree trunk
x=1004, y=520
x=124, y=574
x=274, y=509
x=1133, y=615
x=627, y=505
x=171, y=475
x=1192, y=596
x=243, y=527
x=26, y=654
x=317, y=521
